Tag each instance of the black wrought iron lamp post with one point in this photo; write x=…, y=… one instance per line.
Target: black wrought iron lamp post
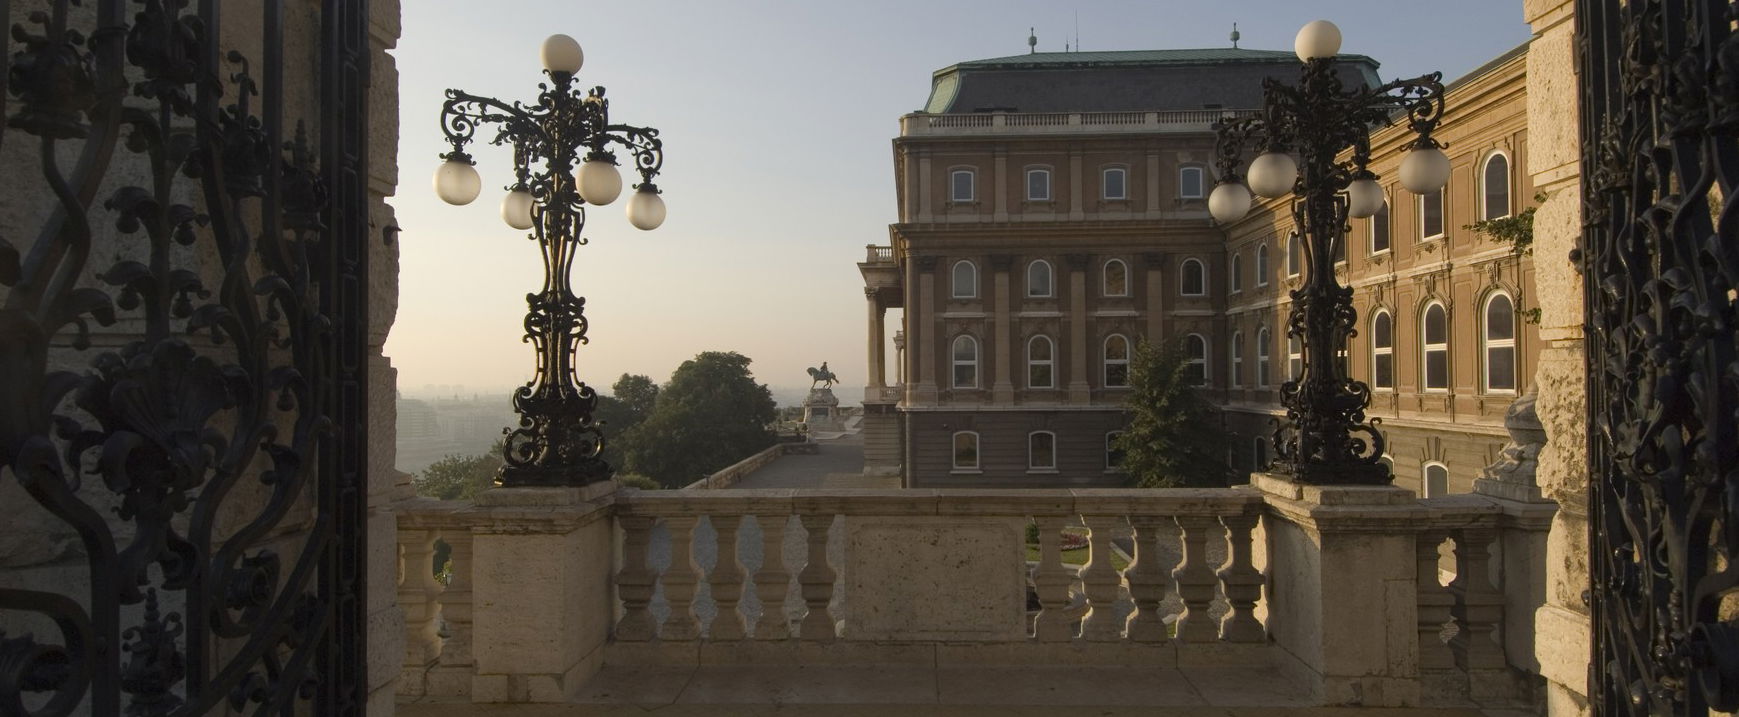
x=1326, y=437
x=558, y=441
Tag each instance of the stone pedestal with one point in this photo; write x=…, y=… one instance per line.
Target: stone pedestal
x=1342, y=596
x=541, y=594
x=821, y=411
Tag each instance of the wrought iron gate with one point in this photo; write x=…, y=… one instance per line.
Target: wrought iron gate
x=1660, y=262
x=183, y=218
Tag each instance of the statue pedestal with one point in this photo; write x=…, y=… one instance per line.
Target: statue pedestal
x=821, y=411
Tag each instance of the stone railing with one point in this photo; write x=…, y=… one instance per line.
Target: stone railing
x=1064, y=122
x=731, y=474
x=878, y=254
x=1367, y=595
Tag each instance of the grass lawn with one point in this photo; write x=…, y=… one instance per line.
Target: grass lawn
x=1077, y=556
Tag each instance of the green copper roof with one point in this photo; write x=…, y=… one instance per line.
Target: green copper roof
x=1211, y=55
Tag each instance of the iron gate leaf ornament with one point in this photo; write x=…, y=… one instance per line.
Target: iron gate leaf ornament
x=1660, y=267
x=180, y=358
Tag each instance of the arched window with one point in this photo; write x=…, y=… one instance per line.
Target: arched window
x=1496, y=179
x=1196, y=350
x=1294, y=358
x=1189, y=183
x=1263, y=341
x=1113, y=454
x=965, y=451
x=1259, y=452
x=1038, y=185
x=1434, y=334
x=1431, y=215
x=1041, y=451
x=965, y=282
x=1294, y=255
x=1500, y=344
x=1116, y=278
x=1383, y=351
x=965, y=362
x=1237, y=359
x=960, y=183
x=1192, y=278
x=1116, y=361
x=1237, y=273
x=1114, y=182
x=1380, y=229
x=1040, y=362
x=1038, y=280
x=1262, y=264
x=1436, y=479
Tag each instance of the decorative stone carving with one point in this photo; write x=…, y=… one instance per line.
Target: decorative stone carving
x=1512, y=476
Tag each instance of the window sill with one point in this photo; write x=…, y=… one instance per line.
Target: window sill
x=1041, y=471
x=965, y=472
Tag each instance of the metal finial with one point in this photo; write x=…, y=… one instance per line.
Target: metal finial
x=1235, y=36
x=1032, y=41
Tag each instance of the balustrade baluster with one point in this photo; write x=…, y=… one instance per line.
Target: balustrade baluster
x=1101, y=580
x=418, y=589
x=1051, y=583
x=680, y=580
x=635, y=581
x=772, y=581
x=1479, y=609
x=456, y=600
x=1196, y=580
x=1242, y=583
x=1147, y=580
x=817, y=580
x=1435, y=603
x=727, y=580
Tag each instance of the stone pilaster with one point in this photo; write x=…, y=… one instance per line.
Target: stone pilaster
x=1002, y=389
x=1080, y=391
x=923, y=355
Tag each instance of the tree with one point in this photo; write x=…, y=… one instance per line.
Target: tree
x=711, y=414
x=1175, y=437
x=637, y=393
x=457, y=477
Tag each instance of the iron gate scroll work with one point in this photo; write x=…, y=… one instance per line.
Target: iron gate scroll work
x=1660, y=263
x=183, y=334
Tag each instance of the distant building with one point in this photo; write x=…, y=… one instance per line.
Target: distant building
x=1052, y=214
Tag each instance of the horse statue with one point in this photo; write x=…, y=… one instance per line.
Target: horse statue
x=821, y=376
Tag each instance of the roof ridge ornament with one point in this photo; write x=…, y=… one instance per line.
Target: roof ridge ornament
x=1235, y=36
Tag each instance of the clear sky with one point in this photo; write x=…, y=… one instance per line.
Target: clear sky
x=777, y=118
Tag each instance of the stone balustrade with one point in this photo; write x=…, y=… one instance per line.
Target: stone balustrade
x=1291, y=581
x=979, y=123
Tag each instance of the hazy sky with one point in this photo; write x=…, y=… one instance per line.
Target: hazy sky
x=777, y=118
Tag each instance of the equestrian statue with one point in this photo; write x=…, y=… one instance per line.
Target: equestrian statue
x=822, y=376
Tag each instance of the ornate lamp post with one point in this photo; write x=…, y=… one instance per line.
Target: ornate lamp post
x=1326, y=438
x=557, y=442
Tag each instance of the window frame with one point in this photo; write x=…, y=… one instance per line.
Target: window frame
x=1387, y=223
x=1237, y=351
x=1262, y=264
x=1105, y=184
x=1031, y=465
x=1378, y=352
x=1049, y=363
x=1183, y=280
x=1294, y=358
x=977, y=452
x=954, y=185
x=1487, y=344
x=1485, y=188
x=1264, y=339
x=1106, y=362
x=1294, y=256
x=1235, y=273
x=1105, y=278
x=954, y=280
x=1030, y=173
x=1050, y=280
x=1110, y=450
x=955, y=363
x=1201, y=181
x=1425, y=479
x=1259, y=458
x=1191, y=360
x=1426, y=349
x=1442, y=214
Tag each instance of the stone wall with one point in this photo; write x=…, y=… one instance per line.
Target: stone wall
x=386, y=633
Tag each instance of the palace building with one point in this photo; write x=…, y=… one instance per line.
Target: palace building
x=1052, y=214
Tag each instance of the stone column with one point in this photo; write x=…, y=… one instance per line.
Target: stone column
x=1002, y=390
x=1153, y=210
x=1076, y=186
x=923, y=355
x=1342, y=590
x=1154, y=264
x=878, y=378
x=1562, y=627
x=541, y=591
x=1000, y=186
x=1080, y=391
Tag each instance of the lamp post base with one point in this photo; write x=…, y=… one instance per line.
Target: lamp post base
x=1343, y=473
x=585, y=473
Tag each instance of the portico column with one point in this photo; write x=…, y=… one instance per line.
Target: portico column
x=877, y=374
x=1079, y=390
x=1002, y=391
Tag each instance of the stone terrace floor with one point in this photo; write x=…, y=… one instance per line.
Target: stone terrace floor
x=916, y=691
x=838, y=464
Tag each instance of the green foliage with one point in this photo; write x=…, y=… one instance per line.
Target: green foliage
x=637, y=393
x=456, y=477
x=635, y=480
x=1516, y=230
x=711, y=414
x=1175, y=437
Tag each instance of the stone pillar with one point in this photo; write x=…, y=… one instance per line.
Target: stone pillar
x=923, y=355
x=1154, y=263
x=1076, y=187
x=1002, y=390
x=1080, y=391
x=925, y=200
x=1512, y=484
x=1000, y=186
x=1562, y=627
x=1153, y=210
x=878, y=375
x=541, y=596
x=1342, y=594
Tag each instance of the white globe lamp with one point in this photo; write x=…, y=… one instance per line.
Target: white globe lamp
x=1229, y=202
x=1317, y=39
x=1273, y=174
x=456, y=182
x=646, y=209
x=1364, y=198
x=1425, y=170
x=562, y=54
